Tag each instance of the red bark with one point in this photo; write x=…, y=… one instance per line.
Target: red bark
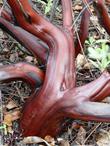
x=84, y=28
x=37, y=48
x=44, y=111
x=7, y=15
x=22, y=71
x=102, y=14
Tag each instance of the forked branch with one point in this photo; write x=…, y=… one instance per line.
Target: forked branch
x=58, y=98
x=39, y=50
x=22, y=71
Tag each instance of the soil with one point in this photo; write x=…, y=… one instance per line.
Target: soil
x=75, y=132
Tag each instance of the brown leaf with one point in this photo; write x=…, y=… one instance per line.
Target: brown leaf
x=78, y=8
x=50, y=140
x=16, y=115
x=9, y=129
x=9, y=117
x=64, y=143
x=103, y=139
x=29, y=58
x=80, y=61
x=13, y=57
x=33, y=140
x=88, y=65
x=11, y=104
x=80, y=139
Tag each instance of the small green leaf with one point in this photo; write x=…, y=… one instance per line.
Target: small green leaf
x=93, y=53
x=91, y=40
x=48, y=6
x=101, y=41
x=95, y=63
x=3, y=126
x=87, y=42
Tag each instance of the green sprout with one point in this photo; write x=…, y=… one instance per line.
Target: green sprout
x=3, y=127
x=47, y=6
x=98, y=53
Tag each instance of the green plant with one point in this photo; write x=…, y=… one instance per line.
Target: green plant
x=47, y=6
x=4, y=128
x=98, y=52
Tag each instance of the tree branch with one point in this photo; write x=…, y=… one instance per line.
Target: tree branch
x=67, y=13
x=102, y=14
x=95, y=111
x=84, y=27
x=58, y=73
x=49, y=34
x=68, y=29
x=98, y=89
x=5, y=14
x=26, y=39
x=22, y=71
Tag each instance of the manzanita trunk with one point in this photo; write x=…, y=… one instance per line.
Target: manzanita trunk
x=58, y=97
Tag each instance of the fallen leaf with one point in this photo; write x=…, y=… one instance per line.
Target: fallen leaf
x=103, y=139
x=11, y=104
x=13, y=57
x=80, y=139
x=80, y=61
x=78, y=8
x=29, y=58
x=34, y=140
x=6, y=50
x=75, y=125
x=16, y=114
x=9, y=129
x=64, y=143
x=88, y=65
x=50, y=140
x=9, y=117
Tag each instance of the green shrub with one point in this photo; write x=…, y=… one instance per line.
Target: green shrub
x=98, y=52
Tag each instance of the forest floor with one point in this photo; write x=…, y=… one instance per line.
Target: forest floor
x=75, y=132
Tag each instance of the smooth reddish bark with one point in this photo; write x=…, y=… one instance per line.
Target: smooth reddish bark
x=44, y=111
x=84, y=28
x=22, y=71
x=102, y=14
x=6, y=15
x=37, y=48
